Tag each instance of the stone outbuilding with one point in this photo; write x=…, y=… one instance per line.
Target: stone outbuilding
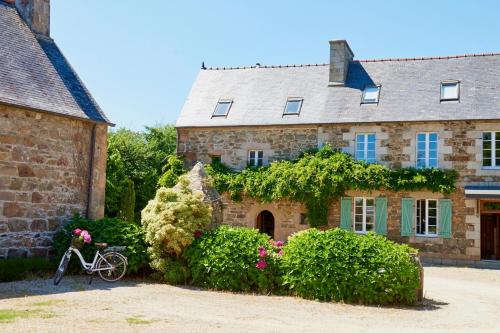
x=53, y=135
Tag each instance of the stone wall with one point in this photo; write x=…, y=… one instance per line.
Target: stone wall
x=44, y=177
x=459, y=148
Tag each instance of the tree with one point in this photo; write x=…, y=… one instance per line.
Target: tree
x=127, y=206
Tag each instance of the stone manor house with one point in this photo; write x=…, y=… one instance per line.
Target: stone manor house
x=441, y=112
x=53, y=135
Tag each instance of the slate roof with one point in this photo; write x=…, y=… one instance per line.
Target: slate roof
x=410, y=91
x=35, y=74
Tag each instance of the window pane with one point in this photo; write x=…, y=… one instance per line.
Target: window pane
x=358, y=227
x=371, y=145
x=293, y=106
x=222, y=108
x=487, y=162
x=421, y=137
x=371, y=138
x=261, y=154
x=432, y=230
x=252, y=154
x=420, y=163
x=487, y=136
x=369, y=227
x=433, y=136
x=486, y=144
x=432, y=163
x=449, y=91
x=360, y=138
x=433, y=145
x=487, y=153
x=497, y=136
x=370, y=95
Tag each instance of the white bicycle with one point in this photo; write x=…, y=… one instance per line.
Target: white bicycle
x=110, y=265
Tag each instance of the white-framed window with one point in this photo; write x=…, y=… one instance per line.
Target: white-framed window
x=427, y=150
x=255, y=157
x=491, y=149
x=364, y=214
x=365, y=147
x=370, y=95
x=293, y=106
x=450, y=91
x=222, y=108
x=427, y=217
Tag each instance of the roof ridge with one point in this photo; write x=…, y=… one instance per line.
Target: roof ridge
x=472, y=55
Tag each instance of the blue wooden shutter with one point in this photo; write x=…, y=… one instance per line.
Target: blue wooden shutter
x=345, y=213
x=381, y=215
x=444, y=222
x=407, y=216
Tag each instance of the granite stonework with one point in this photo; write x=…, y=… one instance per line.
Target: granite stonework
x=459, y=148
x=45, y=163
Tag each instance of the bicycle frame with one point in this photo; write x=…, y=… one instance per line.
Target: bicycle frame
x=89, y=266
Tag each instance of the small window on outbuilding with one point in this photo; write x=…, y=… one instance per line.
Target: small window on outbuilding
x=450, y=91
x=222, y=108
x=293, y=106
x=303, y=219
x=370, y=95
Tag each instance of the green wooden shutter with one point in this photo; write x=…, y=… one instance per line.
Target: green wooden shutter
x=345, y=213
x=381, y=215
x=444, y=222
x=407, y=216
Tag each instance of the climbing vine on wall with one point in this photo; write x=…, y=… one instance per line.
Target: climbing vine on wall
x=318, y=178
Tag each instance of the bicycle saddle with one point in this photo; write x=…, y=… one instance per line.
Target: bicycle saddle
x=103, y=245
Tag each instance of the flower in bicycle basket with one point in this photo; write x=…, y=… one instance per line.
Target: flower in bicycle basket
x=86, y=236
x=77, y=231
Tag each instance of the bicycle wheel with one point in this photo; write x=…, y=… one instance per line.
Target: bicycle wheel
x=112, y=266
x=63, y=265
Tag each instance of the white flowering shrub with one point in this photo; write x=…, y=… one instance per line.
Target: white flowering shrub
x=171, y=220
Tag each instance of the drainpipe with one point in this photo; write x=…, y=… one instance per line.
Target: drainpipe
x=91, y=168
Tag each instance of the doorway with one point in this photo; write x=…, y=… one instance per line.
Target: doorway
x=490, y=236
x=265, y=223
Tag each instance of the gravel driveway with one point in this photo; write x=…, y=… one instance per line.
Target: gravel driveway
x=457, y=300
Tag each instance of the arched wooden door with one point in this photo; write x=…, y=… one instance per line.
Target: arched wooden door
x=265, y=223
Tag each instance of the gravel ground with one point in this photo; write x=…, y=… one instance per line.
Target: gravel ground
x=457, y=300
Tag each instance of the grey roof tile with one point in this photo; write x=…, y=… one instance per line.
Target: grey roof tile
x=410, y=92
x=34, y=73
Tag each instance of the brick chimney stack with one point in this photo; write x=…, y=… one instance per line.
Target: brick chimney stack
x=340, y=57
x=36, y=13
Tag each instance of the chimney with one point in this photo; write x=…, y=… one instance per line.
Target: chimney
x=340, y=57
x=36, y=13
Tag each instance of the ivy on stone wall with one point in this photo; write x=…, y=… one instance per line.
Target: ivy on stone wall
x=318, y=178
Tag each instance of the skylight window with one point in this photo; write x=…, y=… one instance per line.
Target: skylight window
x=450, y=91
x=370, y=95
x=293, y=106
x=222, y=108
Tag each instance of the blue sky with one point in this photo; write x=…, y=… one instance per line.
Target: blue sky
x=140, y=58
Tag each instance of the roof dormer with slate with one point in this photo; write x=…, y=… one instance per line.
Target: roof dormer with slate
x=409, y=89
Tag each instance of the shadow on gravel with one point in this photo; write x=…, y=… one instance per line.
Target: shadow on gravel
x=39, y=287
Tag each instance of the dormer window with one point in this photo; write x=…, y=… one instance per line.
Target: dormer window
x=450, y=91
x=222, y=108
x=370, y=95
x=293, y=106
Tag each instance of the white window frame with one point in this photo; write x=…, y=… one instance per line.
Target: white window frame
x=363, y=95
x=427, y=144
x=426, y=232
x=363, y=231
x=300, y=100
x=222, y=101
x=365, y=148
x=450, y=83
x=256, y=157
x=493, y=151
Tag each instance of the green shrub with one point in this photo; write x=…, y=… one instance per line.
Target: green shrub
x=339, y=265
x=172, y=170
x=226, y=258
x=127, y=204
x=21, y=268
x=170, y=221
x=176, y=272
x=112, y=231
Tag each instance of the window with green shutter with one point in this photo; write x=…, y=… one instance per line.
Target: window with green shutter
x=407, y=216
x=345, y=213
x=444, y=228
x=381, y=215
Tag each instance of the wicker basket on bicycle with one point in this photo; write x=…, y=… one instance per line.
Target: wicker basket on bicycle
x=77, y=243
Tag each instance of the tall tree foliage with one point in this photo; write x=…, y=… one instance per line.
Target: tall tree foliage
x=139, y=157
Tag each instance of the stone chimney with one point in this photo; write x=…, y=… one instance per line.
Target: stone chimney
x=36, y=13
x=340, y=57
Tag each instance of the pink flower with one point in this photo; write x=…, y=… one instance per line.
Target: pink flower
x=279, y=243
x=87, y=239
x=280, y=252
x=262, y=252
x=77, y=231
x=261, y=264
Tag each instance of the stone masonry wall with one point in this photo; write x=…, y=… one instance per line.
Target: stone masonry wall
x=459, y=148
x=44, y=177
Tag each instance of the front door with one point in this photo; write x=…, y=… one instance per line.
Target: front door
x=265, y=223
x=490, y=236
